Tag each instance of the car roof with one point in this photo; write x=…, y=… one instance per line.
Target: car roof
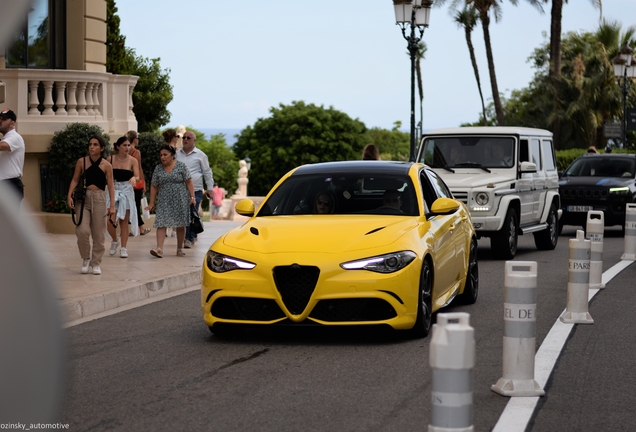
x=610, y=155
x=356, y=167
x=489, y=130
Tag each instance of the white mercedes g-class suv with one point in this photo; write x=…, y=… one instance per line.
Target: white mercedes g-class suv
x=507, y=176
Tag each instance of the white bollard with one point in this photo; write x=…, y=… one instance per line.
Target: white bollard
x=630, y=233
x=520, y=312
x=576, y=311
x=594, y=230
x=452, y=358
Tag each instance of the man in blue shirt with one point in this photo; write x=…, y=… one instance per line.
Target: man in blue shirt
x=199, y=166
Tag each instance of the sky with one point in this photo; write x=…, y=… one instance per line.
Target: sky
x=231, y=61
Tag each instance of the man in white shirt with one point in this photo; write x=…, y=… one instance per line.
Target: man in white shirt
x=11, y=153
x=199, y=166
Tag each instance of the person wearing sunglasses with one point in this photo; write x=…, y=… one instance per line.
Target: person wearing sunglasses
x=199, y=166
x=98, y=175
x=324, y=203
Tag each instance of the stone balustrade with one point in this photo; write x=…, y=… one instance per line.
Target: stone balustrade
x=45, y=100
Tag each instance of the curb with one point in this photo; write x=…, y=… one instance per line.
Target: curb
x=90, y=305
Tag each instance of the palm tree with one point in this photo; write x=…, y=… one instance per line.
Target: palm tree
x=555, y=53
x=420, y=55
x=467, y=18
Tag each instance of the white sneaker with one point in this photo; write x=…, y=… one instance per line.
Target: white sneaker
x=97, y=270
x=85, y=265
x=123, y=252
x=174, y=233
x=187, y=244
x=113, y=247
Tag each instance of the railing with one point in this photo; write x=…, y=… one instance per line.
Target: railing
x=51, y=187
x=45, y=100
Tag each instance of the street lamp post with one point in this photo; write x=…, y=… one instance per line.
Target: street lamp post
x=624, y=71
x=415, y=14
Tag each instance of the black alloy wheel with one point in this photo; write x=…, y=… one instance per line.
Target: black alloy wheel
x=504, y=243
x=548, y=238
x=471, y=289
x=425, y=303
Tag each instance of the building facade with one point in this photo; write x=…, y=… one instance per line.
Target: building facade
x=53, y=72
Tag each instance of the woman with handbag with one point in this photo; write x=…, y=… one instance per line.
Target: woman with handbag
x=140, y=186
x=173, y=190
x=87, y=198
x=125, y=175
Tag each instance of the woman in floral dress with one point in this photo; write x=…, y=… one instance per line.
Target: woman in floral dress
x=173, y=190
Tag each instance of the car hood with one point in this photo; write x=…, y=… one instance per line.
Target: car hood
x=318, y=234
x=463, y=178
x=596, y=181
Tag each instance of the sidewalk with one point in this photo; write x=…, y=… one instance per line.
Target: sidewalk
x=125, y=280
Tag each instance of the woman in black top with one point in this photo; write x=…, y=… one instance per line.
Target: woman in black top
x=99, y=175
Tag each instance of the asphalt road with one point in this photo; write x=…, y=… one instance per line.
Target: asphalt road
x=158, y=367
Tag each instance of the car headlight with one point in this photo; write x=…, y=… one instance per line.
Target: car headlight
x=619, y=190
x=482, y=198
x=220, y=263
x=388, y=263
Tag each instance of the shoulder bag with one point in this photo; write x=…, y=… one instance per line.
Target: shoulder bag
x=79, y=194
x=196, y=226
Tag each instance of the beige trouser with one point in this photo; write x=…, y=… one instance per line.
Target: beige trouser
x=93, y=224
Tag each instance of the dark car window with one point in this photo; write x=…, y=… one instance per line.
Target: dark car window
x=602, y=167
x=489, y=152
x=345, y=193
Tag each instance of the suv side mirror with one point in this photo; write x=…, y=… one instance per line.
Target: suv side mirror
x=528, y=167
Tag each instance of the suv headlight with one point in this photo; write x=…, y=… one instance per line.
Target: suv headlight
x=220, y=263
x=619, y=190
x=481, y=199
x=388, y=263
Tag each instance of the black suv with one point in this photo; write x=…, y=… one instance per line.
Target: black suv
x=603, y=182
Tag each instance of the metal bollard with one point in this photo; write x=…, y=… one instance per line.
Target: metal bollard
x=520, y=307
x=576, y=311
x=594, y=230
x=452, y=358
x=630, y=233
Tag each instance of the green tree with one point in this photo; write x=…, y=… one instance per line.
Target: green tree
x=149, y=145
x=153, y=91
x=294, y=135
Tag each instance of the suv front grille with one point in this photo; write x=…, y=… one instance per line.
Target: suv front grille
x=460, y=195
x=296, y=284
x=570, y=192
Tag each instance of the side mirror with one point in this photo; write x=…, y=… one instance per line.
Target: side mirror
x=560, y=173
x=443, y=206
x=245, y=207
x=528, y=167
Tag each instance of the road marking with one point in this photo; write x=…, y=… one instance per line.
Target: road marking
x=518, y=412
x=130, y=306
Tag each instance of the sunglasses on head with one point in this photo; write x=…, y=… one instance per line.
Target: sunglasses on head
x=187, y=138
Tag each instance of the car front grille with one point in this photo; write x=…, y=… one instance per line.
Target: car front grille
x=461, y=195
x=249, y=309
x=583, y=192
x=364, y=309
x=296, y=284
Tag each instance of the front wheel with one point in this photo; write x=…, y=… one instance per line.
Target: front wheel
x=471, y=289
x=548, y=238
x=504, y=243
x=425, y=304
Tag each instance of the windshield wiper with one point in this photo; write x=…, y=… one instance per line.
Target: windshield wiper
x=447, y=168
x=472, y=165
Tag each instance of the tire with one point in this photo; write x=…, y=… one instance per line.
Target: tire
x=548, y=238
x=425, y=304
x=504, y=243
x=471, y=289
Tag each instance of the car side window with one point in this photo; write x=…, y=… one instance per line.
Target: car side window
x=535, y=148
x=427, y=192
x=524, y=155
x=441, y=190
x=548, y=156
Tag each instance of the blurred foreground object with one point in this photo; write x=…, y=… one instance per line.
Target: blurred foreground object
x=31, y=360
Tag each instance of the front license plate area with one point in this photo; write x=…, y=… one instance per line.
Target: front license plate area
x=579, y=209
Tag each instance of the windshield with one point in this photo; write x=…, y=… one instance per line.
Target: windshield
x=601, y=167
x=342, y=193
x=469, y=152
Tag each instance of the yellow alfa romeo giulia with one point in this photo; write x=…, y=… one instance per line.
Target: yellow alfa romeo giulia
x=344, y=243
